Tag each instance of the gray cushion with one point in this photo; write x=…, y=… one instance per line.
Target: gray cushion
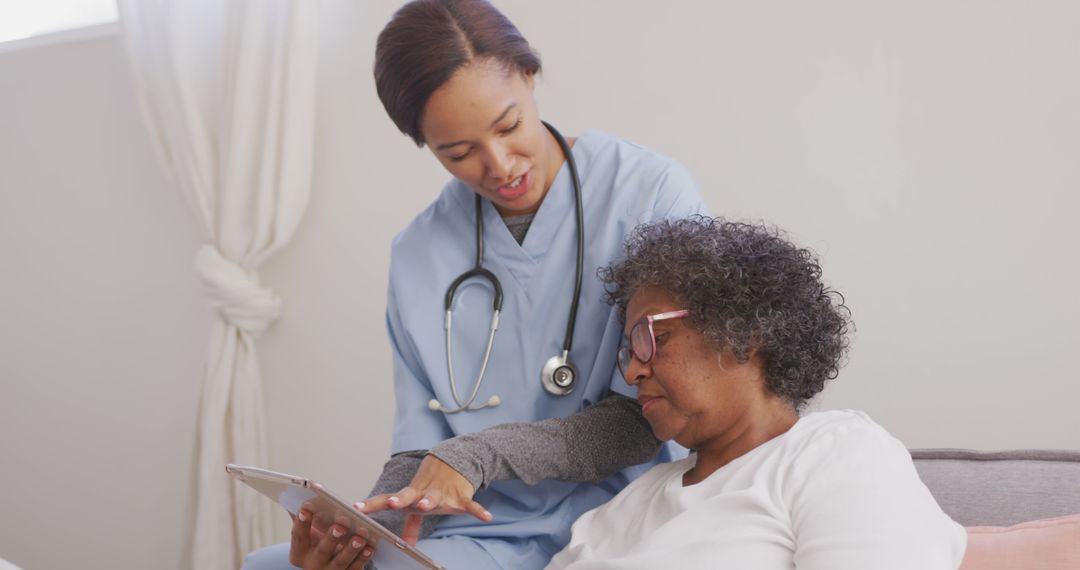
x=1001, y=488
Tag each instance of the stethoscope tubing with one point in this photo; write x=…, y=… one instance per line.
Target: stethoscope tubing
x=479, y=271
x=568, y=340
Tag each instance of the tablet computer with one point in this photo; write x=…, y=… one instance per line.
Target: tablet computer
x=290, y=491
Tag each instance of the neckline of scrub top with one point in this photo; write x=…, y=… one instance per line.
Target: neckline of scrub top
x=555, y=212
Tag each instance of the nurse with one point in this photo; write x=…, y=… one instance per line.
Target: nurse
x=514, y=470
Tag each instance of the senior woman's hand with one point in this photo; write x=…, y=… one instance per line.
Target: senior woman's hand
x=436, y=489
x=312, y=549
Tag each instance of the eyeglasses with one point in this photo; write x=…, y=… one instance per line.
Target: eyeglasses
x=643, y=340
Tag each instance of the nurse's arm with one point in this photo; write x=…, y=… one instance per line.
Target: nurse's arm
x=587, y=446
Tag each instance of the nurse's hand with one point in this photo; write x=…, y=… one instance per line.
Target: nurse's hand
x=312, y=549
x=436, y=489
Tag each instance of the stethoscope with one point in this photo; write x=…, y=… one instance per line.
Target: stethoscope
x=559, y=374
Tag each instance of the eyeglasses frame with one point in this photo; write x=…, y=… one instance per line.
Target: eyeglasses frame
x=628, y=349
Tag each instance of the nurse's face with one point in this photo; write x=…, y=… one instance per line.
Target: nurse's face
x=690, y=392
x=484, y=128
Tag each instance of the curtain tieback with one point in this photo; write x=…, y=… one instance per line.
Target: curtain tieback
x=235, y=292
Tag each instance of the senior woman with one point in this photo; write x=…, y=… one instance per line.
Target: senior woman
x=730, y=332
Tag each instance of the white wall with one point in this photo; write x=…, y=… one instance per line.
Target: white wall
x=102, y=328
x=928, y=151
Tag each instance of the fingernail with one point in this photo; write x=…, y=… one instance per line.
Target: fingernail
x=368, y=552
x=302, y=516
x=359, y=506
x=357, y=544
x=487, y=514
x=424, y=502
x=337, y=532
x=339, y=548
x=394, y=499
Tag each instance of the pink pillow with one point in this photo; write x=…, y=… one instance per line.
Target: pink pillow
x=1047, y=544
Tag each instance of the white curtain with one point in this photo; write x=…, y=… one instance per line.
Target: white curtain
x=227, y=89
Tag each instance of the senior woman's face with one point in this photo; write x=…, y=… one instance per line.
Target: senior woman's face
x=689, y=392
x=484, y=128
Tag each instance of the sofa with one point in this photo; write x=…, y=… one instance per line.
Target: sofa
x=1021, y=508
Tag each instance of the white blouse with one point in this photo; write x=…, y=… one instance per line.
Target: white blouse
x=835, y=492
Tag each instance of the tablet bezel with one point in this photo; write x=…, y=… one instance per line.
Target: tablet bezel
x=243, y=472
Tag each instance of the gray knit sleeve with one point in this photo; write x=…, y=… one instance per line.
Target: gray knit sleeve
x=397, y=474
x=587, y=446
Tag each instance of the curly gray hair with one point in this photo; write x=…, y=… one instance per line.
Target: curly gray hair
x=747, y=288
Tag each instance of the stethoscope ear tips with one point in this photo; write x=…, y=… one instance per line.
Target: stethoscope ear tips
x=435, y=406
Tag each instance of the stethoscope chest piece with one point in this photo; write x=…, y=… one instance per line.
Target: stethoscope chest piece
x=559, y=375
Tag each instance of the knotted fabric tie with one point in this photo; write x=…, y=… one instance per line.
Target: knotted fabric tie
x=235, y=292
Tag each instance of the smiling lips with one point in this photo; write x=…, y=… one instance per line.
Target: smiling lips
x=647, y=401
x=516, y=188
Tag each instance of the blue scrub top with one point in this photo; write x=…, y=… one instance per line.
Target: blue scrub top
x=622, y=186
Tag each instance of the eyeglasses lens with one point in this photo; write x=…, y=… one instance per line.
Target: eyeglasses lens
x=641, y=340
x=623, y=359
